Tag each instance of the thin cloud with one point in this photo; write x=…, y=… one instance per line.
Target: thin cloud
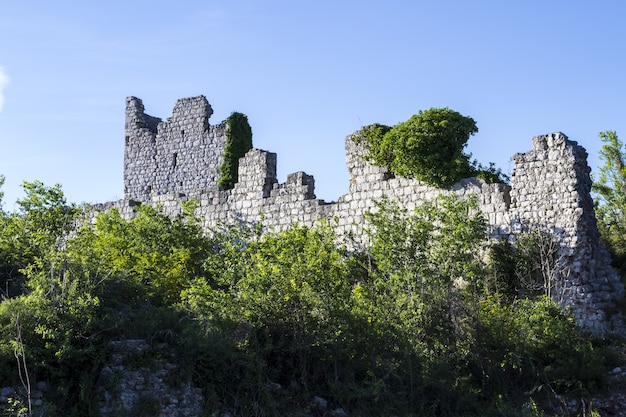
x=4, y=80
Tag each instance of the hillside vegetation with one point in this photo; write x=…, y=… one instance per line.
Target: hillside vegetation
x=421, y=322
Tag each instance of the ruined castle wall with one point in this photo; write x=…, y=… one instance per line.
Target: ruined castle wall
x=551, y=192
x=369, y=183
x=167, y=162
x=258, y=197
x=139, y=150
x=181, y=155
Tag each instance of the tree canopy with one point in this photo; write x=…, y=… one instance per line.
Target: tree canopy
x=429, y=147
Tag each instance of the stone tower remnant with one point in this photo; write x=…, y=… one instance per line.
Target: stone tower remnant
x=551, y=191
x=182, y=154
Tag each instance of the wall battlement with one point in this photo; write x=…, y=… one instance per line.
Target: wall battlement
x=182, y=154
x=166, y=162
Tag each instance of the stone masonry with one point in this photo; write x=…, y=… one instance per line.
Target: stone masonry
x=166, y=162
x=180, y=155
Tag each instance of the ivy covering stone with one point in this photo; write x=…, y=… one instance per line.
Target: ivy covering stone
x=238, y=142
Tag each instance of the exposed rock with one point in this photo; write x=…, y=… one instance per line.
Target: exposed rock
x=320, y=402
x=129, y=390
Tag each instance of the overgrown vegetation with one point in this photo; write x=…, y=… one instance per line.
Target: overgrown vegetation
x=610, y=191
x=418, y=324
x=428, y=147
x=238, y=142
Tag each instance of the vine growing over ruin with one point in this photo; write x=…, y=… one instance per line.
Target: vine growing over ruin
x=238, y=142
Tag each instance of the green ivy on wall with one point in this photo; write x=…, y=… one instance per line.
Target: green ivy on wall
x=238, y=142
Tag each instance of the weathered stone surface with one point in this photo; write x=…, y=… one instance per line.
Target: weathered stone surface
x=182, y=154
x=168, y=162
x=130, y=390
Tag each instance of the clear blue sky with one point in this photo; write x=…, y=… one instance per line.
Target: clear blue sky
x=306, y=73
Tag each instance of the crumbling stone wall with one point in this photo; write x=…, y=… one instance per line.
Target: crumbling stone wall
x=551, y=191
x=167, y=162
x=181, y=155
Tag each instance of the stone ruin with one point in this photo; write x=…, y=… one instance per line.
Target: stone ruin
x=167, y=162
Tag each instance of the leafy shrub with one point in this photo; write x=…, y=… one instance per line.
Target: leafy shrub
x=428, y=147
x=533, y=345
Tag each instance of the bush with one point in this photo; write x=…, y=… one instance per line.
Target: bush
x=428, y=147
x=533, y=345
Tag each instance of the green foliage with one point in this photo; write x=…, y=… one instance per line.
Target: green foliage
x=413, y=325
x=431, y=294
x=438, y=238
x=428, y=147
x=238, y=142
x=534, y=345
x=284, y=296
x=426, y=270
x=47, y=216
x=610, y=191
x=490, y=173
x=527, y=269
x=7, y=266
x=153, y=249
x=501, y=277
x=55, y=308
x=1, y=192
x=15, y=408
x=423, y=259
x=105, y=280
x=39, y=227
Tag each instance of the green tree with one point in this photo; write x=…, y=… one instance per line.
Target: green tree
x=41, y=225
x=426, y=270
x=291, y=287
x=83, y=286
x=610, y=191
x=1, y=193
x=533, y=345
x=6, y=266
x=53, y=314
x=436, y=244
x=160, y=252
